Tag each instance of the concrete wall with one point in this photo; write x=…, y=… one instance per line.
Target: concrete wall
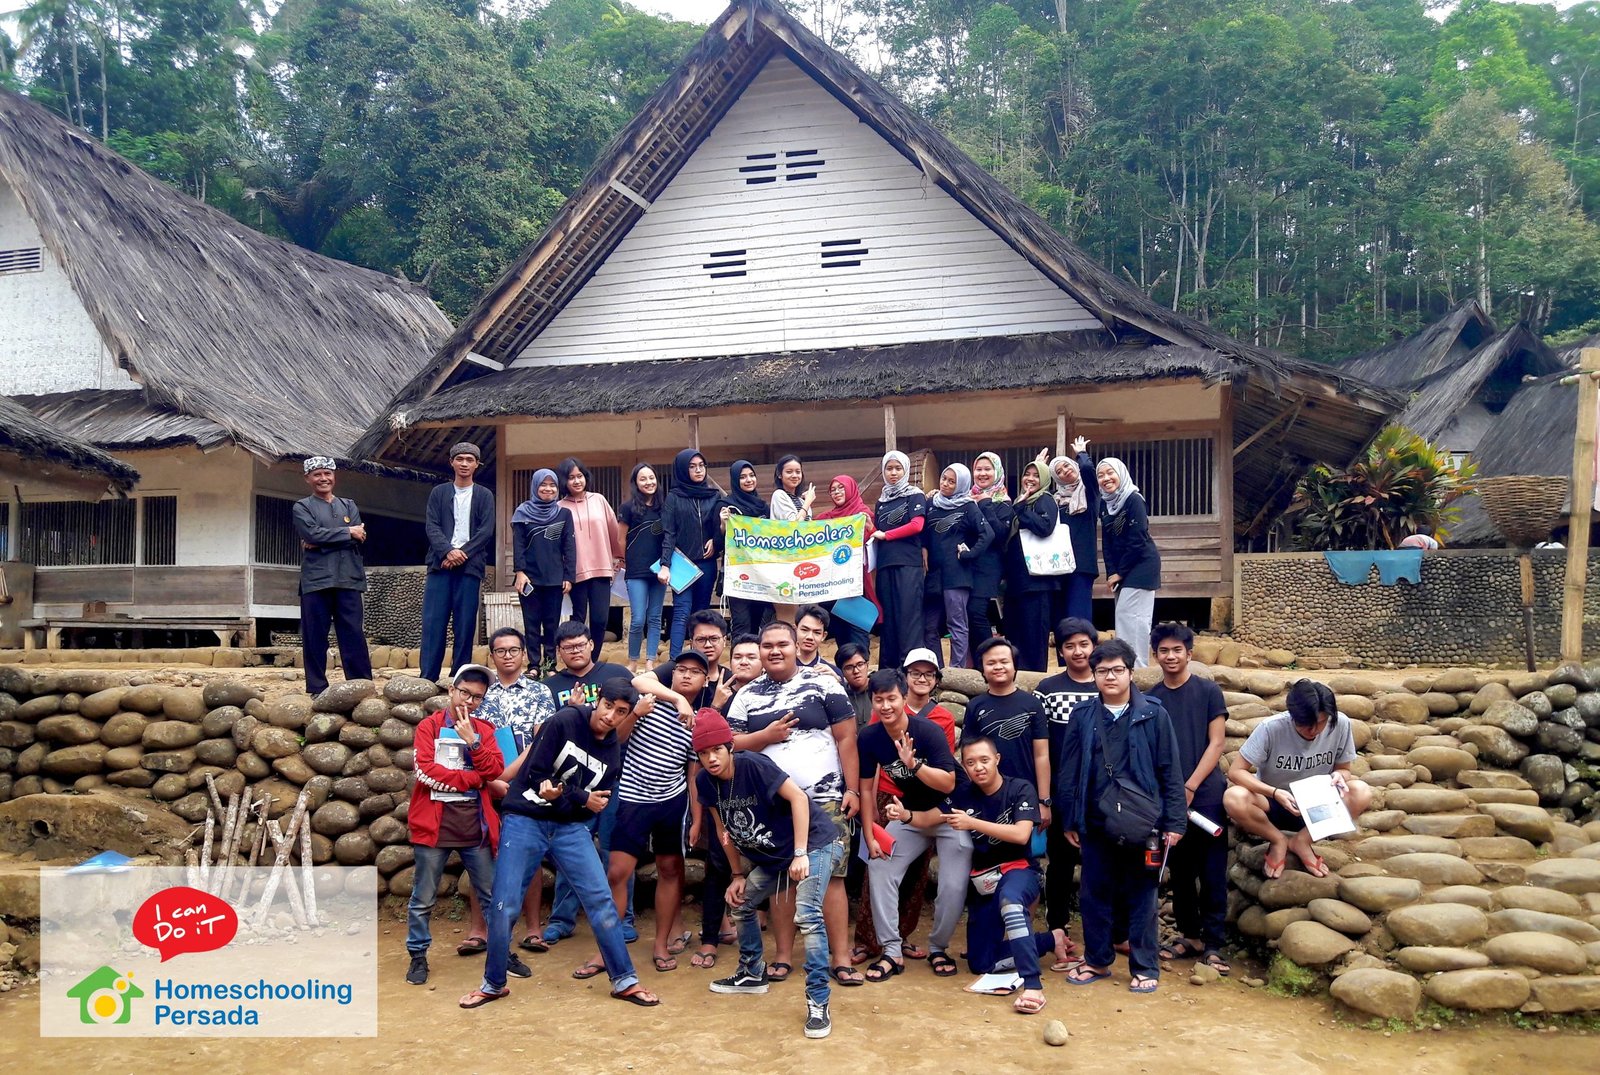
x=1468, y=609
x=50, y=343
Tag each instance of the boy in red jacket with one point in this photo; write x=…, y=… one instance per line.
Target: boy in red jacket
x=456, y=758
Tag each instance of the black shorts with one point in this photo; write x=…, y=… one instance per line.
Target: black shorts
x=651, y=827
x=1286, y=822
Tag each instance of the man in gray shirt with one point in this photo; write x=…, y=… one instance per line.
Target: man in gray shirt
x=1309, y=740
x=332, y=577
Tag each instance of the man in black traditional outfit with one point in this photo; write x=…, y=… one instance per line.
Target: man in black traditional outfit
x=332, y=577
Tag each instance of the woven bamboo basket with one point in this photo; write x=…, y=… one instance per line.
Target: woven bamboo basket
x=1524, y=507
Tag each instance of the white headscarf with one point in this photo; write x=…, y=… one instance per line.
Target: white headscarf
x=1073, y=499
x=1125, y=487
x=901, y=488
x=963, y=489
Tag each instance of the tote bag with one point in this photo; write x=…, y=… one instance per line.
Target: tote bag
x=1050, y=554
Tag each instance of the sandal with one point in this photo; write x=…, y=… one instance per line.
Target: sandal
x=1083, y=974
x=914, y=951
x=1026, y=1005
x=847, y=975
x=637, y=994
x=472, y=946
x=1273, y=867
x=1316, y=866
x=1215, y=961
x=588, y=970
x=942, y=965
x=679, y=943
x=860, y=954
x=1181, y=949
x=479, y=997
x=704, y=960
x=1065, y=953
x=883, y=968
x=1142, y=983
x=664, y=963
x=784, y=977
x=533, y=943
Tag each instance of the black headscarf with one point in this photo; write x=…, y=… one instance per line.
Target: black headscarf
x=741, y=502
x=683, y=485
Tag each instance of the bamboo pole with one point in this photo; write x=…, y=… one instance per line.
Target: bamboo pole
x=1583, y=481
x=308, y=880
x=280, y=840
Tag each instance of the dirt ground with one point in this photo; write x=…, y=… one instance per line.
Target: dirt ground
x=914, y=1023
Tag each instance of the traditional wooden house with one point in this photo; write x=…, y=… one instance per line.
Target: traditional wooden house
x=211, y=357
x=777, y=255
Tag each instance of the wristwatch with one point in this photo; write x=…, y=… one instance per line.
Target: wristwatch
x=1046, y=802
x=800, y=852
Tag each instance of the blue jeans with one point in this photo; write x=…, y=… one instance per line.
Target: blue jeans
x=645, y=599
x=524, y=843
x=449, y=597
x=1000, y=928
x=762, y=882
x=425, y=887
x=689, y=602
x=564, y=906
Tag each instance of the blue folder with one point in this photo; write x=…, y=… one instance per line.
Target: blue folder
x=684, y=573
x=856, y=611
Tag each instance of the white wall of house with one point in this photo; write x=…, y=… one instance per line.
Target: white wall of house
x=48, y=344
x=795, y=226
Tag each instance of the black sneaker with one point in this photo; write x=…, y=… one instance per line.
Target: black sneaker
x=518, y=967
x=417, y=974
x=818, y=1025
x=740, y=981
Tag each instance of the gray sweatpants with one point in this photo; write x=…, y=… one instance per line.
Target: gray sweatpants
x=954, y=849
x=1135, y=610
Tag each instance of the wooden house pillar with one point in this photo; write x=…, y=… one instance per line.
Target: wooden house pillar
x=888, y=427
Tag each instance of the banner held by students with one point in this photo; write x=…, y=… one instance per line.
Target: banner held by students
x=793, y=563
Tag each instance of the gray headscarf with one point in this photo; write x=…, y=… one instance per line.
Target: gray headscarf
x=963, y=489
x=1074, y=498
x=1116, y=501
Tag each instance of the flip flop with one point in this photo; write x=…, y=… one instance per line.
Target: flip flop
x=472, y=946
x=1026, y=1005
x=883, y=968
x=1083, y=974
x=784, y=977
x=1142, y=984
x=913, y=951
x=637, y=994
x=1272, y=868
x=1181, y=949
x=679, y=943
x=1315, y=865
x=478, y=998
x=1065, y=953
x=942, y=965
x=860, y=954
x=847, y=975
x=533, y=943
x=664, y=963
x=703, y=960
x=588, y=970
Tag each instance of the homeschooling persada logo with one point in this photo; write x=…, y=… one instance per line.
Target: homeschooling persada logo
x=103, y=996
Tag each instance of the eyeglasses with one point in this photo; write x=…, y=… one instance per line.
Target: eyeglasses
x=921, y=673
x=855, y=666
x=471, y=697
x=575, y=646
x=706, y=639
x=506, y=652
x=1110, y=673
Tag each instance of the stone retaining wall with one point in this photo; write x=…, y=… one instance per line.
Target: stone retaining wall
x=1468, y=608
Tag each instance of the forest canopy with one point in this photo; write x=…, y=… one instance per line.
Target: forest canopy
x=1311, y=175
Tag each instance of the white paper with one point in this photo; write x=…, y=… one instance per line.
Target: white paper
x=997, y=985
x=1324, y=812
x=450, y=752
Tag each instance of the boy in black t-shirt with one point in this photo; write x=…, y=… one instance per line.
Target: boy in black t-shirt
x=760, y=813
x=999, y=812
x=1012, y=717
x=1076, y=639
x=915, y=754
x=1199, y=861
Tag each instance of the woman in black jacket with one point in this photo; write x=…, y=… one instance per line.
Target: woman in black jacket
x=956, y=535
x=1074, y=499
x=743, y=497
x=1026, y=609
x=689, y=525
x=1133, y=565
x=989, y=493
x=544, y=549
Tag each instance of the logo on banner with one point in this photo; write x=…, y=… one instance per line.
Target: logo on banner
x=104, y=997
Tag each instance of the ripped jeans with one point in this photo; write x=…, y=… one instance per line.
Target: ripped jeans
x=762, y=882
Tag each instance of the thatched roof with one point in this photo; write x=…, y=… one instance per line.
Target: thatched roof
x=1330, y=411
x=1492, y=374
x=120, y=420
x=1408, y=362
x=1569, y=353
x=288, y=352
x=33, y=450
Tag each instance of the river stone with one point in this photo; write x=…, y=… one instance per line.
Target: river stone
x=244, y=731
x=396, y=734
x=1435, y=924
x=102, y=704
x=392, y=857
x=1574, y=673
x=1587, y=706
x=1280, y=920
x=343, y=697
x=371, y=712
x=1400, y=708
x=219, y=721
x=1528, y=822
x=1492, y=779
x=1349, y=684
x=273, y=742
x=1296, y=889
x=78, y=760
x=1311, y=944
x=376, y=805
x=216, y=752
x=356, y=737
x=170, y=735
x=1514, y=718
x=357, y=765
x=1252, y=922
x=1451, y=826
x=1434, y=868
x=1381, y=820
x=1357, y=707
x=14, y=735
x=1395, y=778
x=1471, y=895
x=1546, y=774
x=1519, y=920
x=1425, y=960
x=1439, y=703
x=1556, y=738
x=414, y=714
x=37, y=708
x=123, y=729
x=290, y=712
x=387, y=780
x=228, y=692
x=1541, y=951
x=1576, y=876
x=335, y=818
x=327, y=758
x=169, y=787
x=1482, y=989
x=1386, y=994
x=351, y=788
x=293, y=768
x=69, y=729
x=1503, y=795
x=1494, y=744
x=131, y=778
x=380, y=756
x=1387, y=847
x=1563, y=995
x=184, y=703
x=1378, y=894
x=1456, y=680
x=1426, y=800
x=1339, y=915
x=409, y=689
x=1538, y=703
x=1490, y=695
x=388, y=830
x=119, y=758
x=323, y=727
x=168, y=761
x=1548, y=900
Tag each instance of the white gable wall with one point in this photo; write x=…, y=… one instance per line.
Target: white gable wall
x=47, y=342
x=930, y=270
